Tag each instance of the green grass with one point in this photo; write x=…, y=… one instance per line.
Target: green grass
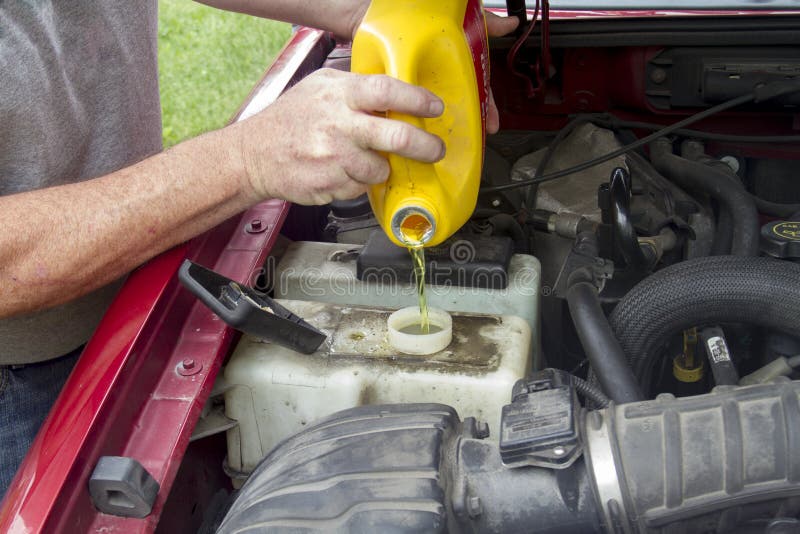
x=208, y=61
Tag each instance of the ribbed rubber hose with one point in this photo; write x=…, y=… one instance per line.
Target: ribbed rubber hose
x=722, y=289
x=732, y=196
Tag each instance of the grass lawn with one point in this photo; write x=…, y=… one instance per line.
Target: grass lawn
x=208, y=61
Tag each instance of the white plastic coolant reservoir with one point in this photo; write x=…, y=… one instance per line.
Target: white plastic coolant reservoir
x=273, y=392
x=326, y=272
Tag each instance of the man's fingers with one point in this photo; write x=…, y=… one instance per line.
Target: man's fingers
x=399, y=138
x=383, y=93
x=351, y=189
x=367, y=168
x=492, y=116
x=497, y=26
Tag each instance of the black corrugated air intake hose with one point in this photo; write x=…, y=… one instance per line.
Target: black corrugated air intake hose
x=724, y=462
x=731, y=196
x=721, y=289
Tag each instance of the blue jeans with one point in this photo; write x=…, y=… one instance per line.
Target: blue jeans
x=26, y=395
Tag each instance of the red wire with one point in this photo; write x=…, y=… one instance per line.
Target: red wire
x=512, y=54
x=541, y=69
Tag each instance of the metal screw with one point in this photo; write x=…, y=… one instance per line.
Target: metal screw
x=658, y=75
x=559, y=451
x=188, y=363
x=496, y=203
x=474, y=508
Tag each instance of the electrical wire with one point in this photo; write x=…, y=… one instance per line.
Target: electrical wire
x=512, y=54
x=761, y=94
x=613, y=122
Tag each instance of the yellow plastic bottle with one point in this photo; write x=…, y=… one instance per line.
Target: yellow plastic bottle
x=440, y=45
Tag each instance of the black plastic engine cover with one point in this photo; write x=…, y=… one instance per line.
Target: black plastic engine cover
x=463, y=261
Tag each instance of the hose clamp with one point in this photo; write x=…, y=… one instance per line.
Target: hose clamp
x=602, y=465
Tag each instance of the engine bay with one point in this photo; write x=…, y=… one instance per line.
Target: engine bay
x=626, y=298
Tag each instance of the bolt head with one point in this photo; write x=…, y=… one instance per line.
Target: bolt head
x=658, y=75
x=496, y=203
x=559, y=451
x=256, y=226
x=189, y=367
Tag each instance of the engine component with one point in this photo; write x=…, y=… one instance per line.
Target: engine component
x=698, y=464
x=719, y=356
x=625, y=239
x=351, y=221
x=713, y=290
x=274, y=392
x=717, y=184
x=781, y=239
x=686, y=77
x=780, y=366
x=540, y=426
x=326, y=272
x=463, y=261
x=576, y=193
x=687, y=367
x=710, y=463
x=605, y=354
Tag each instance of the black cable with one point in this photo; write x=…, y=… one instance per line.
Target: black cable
x=590, y=392
x=614, y=122
x=760, y=94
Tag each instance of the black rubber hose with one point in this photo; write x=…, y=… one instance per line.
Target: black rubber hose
x=604, y=352
x=723, y=236
x=625, y=235
x=693, y=175
x=775, y=209
x=505, y=224
x=722, y=289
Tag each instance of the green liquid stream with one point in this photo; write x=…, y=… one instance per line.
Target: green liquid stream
x=418, y=258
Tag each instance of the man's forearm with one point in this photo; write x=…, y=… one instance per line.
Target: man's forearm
x=318, y=142
x=341, y=17
x=100, y=229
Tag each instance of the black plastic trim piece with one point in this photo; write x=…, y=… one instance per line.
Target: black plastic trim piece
x=121, y=486
x=248, y=311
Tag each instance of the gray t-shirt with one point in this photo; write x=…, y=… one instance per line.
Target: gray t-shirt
x=78, y=99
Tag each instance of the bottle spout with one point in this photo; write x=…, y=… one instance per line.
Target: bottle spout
x=413, y=225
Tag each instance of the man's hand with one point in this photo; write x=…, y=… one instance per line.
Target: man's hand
x=496, y=26
x=319, y=141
